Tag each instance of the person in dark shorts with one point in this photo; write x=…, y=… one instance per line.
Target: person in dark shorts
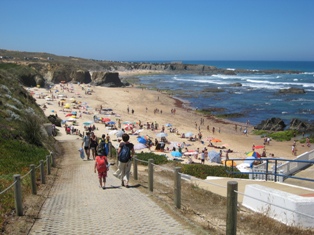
x=86, y=144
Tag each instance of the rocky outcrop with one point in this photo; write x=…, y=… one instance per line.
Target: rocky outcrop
x=272, y=124
x=236, y=84
x=215, y=90
x=80, y=76
x=292, y=91
x=108, y=79
x=296, y=124
x=55, y=120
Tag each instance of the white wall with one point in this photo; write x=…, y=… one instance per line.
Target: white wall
x=304, y=205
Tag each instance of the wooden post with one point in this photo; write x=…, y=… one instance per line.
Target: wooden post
x=135, y=168
x=177, y=187
x=48, y=165
x=33, y=179
x=18, y=195
x=53, y=160
x=42, y=172
x=150, y=175
x=232, y=202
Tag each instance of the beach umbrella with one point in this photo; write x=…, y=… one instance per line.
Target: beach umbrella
x=249, y=160
x=188, y=134
x=67, y=106
x=176, y=154
x=128, y=122
x=106, y=119
x=141, y=140
x=161, y=134
x=119, y=133
x=111, y=123
x=229, y=163
x=128, y=127
x=168, y=124
x=139, y=146
x=253, y=154
x=88, y=123
x=113, y=132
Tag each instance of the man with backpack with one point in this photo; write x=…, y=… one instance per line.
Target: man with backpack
x=125, y=154
x=101, y=165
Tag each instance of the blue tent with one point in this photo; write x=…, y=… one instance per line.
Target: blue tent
x=141, y=140
x=214, y=156
x=176, y=154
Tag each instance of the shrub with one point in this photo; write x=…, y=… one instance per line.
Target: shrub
x=158, y=159
x=202, y=171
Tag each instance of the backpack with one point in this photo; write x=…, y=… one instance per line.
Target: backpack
x=101, y=150
x=124, y=155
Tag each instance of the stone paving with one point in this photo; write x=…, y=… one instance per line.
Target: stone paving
x=77, y=205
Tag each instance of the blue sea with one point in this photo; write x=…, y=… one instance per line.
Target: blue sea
x=258, y=97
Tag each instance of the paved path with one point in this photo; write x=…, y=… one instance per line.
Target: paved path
x=76, y=205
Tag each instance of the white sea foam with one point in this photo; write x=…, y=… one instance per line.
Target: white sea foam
x=302, y=100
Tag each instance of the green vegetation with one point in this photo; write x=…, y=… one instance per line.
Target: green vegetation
x=279, y=135
x=158, y=159
x=230, y=115
x=196, y=170
x=202, y=171
x=22, y=141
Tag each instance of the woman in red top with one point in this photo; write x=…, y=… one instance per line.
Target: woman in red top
x=101, y=163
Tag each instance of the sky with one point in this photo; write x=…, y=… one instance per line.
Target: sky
x=147, y=30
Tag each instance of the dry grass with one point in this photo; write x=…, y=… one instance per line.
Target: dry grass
x=208, y=210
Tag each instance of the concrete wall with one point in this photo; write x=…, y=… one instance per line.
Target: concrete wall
x=284, y=200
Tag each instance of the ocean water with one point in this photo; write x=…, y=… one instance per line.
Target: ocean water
x=258, y=97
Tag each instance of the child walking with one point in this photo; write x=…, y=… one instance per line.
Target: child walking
x=101, y=163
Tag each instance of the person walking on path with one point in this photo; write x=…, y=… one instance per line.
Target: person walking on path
x=86, y=144
x=125, y=153
x=93, y=144
x=101, y=164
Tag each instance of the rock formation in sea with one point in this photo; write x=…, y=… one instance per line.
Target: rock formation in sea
x=271, y=124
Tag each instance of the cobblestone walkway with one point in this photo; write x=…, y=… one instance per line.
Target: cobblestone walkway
x=76, y=205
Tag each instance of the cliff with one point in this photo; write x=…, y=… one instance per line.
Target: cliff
x=44, y=69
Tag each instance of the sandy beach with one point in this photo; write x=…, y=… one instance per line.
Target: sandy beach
x=144, y=103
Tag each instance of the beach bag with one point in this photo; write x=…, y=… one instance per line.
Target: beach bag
x=124, y=155
x=82, y=154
